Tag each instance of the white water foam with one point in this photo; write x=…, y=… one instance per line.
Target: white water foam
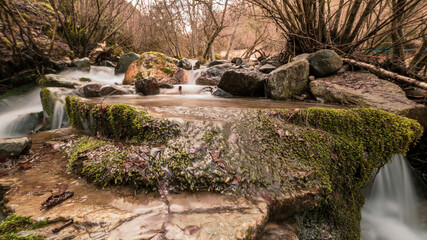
x=96, y=73
x=14, y=108
x=390, y=211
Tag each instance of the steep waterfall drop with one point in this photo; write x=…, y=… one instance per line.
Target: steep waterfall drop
x=390, y=211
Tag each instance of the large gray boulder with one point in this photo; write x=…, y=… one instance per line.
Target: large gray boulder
x=289, y=80
x=147, y=86
x=185, y=64
x=362, y=90
x=243, y=82
x=324, y=63
x=125, y=61
x=212, y=75
x=15, y=146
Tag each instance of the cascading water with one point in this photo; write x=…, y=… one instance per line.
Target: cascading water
x=58, y=115
x=14, y=113
x=96, y=73
x=390, y=211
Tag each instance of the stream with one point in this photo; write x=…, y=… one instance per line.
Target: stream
x=391, y=211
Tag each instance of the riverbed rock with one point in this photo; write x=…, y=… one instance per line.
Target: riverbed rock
x=362, y=90
x=15, y=146
x=26, y=123
x=217, y=62
x=154, y=64
x=165, y=85
x=91, y=90
x=147, y=86
x=237, y=61
x=212, y=75
x=301, y=57
x=185, y=64
x=221, y=93
x=107, y=63
x=112, y=90
x=82, y=64
x=57, y=80
x=196, y=65
x=242, y=82
x=267, y=68
x=124, y=62
x=324, y=63
x=289, y=80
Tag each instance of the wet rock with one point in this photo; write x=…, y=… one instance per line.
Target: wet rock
x=82, y=64
x=274, y=231
x=111, y=90
x=124, y=62
x=91, y=90
x=212, y=76
x=157, y=65
x=288, y=80
x=26, y=123
x=362, y=90
x=267, y=68
x=196, y=65
x=217, y=62
x=237, y=61
x=324, y=63
x=165, y=85
x=301, y=57
x=15, y=146
x=242, y=82
x=57, y=80
x=107, y=63
x=221, y=93
x=147, y=86
x=185, y=64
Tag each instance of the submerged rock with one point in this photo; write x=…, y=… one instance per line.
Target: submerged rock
x=267, y=68
x=242, y=82
x=288, y=80
x=324, y=63
x=15, y=146
x=154, y=64
x=125, y=61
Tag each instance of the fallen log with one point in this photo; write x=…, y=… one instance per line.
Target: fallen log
x=386, y=74
x=56, y=199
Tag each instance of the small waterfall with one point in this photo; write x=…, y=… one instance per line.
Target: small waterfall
x=15, y=113
x=192, y=76
x=58, y=115
x=390, y=211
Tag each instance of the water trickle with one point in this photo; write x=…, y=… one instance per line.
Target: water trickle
x=193, y=75
x=14, y=111
x=58, y=118
x=390, y=211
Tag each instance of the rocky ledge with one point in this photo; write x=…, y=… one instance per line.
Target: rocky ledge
x=210, y=173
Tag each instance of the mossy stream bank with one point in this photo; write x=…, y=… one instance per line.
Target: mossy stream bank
x=308, y=164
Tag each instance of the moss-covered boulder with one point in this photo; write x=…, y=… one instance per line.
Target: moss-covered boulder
x=157, y=65
x=57, y=80
x=311, y=164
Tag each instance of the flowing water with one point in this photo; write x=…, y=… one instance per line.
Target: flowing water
x=14, y=113
x=97, y=74
x=391, y=208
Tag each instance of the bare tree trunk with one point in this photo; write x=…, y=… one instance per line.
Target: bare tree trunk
x=386, y=74
x=233, y=36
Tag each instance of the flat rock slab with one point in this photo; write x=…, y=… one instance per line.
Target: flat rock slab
x=362, y=90
x=119, y=213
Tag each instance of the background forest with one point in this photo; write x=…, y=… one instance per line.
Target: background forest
x=43, y=32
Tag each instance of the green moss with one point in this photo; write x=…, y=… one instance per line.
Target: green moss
x=5, y=40
x=139, y=75
x=119, y=121
x=168, y=71
x=268, y=153
x=83, y=79
x=14, y=224
x=159, y=55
